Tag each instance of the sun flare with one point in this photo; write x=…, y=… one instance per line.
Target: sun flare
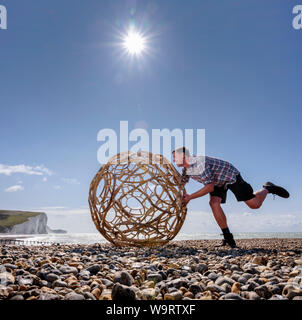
x=134, y=43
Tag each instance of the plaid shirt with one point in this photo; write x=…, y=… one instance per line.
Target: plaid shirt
x=206, y=170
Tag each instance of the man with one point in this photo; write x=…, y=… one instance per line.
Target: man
x=218, y=176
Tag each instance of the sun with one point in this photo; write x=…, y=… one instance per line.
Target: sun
x=134, y=43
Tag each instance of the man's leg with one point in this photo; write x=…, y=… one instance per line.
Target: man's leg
x=256, y=202
x=260, y=195
x=221, y=221
x=244, y=192
x=218, y=212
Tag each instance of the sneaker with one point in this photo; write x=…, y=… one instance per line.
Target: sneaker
x=279, y=191
x=228, y=241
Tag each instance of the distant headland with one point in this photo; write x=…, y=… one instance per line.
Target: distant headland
x=25, y=222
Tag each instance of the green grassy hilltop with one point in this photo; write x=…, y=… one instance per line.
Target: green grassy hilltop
x=10, y=218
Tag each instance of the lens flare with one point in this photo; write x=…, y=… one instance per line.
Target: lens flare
x=134, y=43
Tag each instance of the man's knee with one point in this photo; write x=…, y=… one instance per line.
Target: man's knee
x=215, y=201
x=254, y=205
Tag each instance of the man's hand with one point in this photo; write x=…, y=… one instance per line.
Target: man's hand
x=186, y=198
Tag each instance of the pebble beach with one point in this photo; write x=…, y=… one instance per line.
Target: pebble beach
x=259, y=269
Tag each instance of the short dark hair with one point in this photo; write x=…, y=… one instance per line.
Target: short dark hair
x=182, y=150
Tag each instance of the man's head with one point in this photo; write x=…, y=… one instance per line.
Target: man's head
x=179, y=156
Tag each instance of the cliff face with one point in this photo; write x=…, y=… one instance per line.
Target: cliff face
x=18, y=222
x=33, y=225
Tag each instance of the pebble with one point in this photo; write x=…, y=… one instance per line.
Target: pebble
x=201, y=268
x=263, y=291
x=156, y=277
x=17, y=297
x=89, y=296
x=96, y=292
x=221, y=280
x=24, y=281
x=196, y=288
x=181, y=270
x=122, y=292
x=214, y=287
x=176, y=295
x=274, y=289
x=278, y=297
x=177, y=283
x=123, y=277
x=188, y=295
x=108, y=283
x=74, y=296
x=106, y=295
x=212, y=276
x=68, y=269
x=226, y=287
x=51, y=277
x=94, y=269
x=259, y=260
x=10, y=266
x=253, y=296
x=59, y=283
x=48, y=296
x=235, y=287
x=292, y=290
x=7, y=278
x=84, y=275
x=148, y=294
x=231, y=296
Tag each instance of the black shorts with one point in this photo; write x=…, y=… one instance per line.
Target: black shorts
x=242, y=190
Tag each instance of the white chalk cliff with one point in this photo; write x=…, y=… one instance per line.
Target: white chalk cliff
x=34, y=225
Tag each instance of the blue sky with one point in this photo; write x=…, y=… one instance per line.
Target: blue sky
x=230, y=67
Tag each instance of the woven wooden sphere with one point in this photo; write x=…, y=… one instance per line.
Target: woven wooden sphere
x=135, y=199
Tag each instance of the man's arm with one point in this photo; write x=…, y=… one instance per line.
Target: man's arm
x=203, y=191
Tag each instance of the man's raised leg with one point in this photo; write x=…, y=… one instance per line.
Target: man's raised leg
x=256, y=202
x=260, y=195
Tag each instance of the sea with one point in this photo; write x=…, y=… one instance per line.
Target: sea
x=91, y=238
